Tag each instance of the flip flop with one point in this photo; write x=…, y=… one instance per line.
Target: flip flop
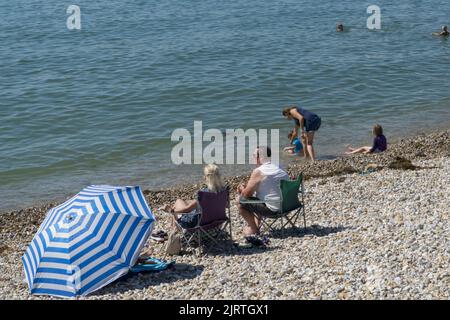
x=160, y=233
x=254, y=240
x=152, y=265
x=159, y=236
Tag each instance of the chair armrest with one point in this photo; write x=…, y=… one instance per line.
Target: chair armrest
x=181, y=213
x=251, y=201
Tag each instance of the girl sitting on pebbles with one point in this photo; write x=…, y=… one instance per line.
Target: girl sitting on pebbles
x=379, y=143
x=213, y=182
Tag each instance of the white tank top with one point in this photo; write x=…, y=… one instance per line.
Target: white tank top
x=269, y=188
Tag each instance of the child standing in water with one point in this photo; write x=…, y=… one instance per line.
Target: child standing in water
x=379, y=143
x=297, y=145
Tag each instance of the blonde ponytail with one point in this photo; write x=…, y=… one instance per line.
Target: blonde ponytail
x=213, y=179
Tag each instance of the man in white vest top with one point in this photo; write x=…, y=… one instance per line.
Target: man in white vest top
x=264, y=184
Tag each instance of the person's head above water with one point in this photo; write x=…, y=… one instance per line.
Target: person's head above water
x=444, y=28
x=340, y=27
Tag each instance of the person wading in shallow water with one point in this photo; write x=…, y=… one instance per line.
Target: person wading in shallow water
x=308, y=122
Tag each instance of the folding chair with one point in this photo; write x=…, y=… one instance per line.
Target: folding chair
x=215, y=217
x=291, y=206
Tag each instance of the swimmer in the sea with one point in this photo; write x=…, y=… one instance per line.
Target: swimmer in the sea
x=444, y=32
x=340, y=27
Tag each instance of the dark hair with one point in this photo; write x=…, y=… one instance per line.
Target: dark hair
x=263, y=149
x=377, y=130
x=287, y=111
x=290, y=134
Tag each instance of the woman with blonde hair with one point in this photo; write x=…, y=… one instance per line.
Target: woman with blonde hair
x=213, y=182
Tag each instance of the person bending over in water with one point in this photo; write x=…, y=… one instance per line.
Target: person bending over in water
x=444, y=32
x=308, y=122
x=297, y=145
x=340, y=27
x=379, y=143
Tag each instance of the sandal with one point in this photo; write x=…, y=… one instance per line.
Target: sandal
x=159, y=236
x=256, y=241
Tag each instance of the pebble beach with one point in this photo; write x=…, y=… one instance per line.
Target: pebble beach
x=383, y=234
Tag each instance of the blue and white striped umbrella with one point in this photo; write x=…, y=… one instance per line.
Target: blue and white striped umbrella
x=88, y=242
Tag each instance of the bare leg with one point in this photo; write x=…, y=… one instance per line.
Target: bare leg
x=251, y=220
x=305, y=151
x=309, y=145
x=364, y=149
x=182, y=206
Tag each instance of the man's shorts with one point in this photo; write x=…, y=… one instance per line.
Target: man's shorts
x=259, y=209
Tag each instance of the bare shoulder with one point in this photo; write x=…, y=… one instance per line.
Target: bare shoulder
x=295, y=113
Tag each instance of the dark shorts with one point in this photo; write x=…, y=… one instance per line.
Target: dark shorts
x=258, y=208
x=188, y=221
x=313, y=124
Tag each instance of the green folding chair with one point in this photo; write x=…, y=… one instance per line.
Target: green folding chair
x=292, y=207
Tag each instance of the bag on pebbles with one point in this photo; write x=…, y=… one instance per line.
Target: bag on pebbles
x=173, y=245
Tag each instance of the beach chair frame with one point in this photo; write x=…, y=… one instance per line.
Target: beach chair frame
x=292, y=207
x=208, y=230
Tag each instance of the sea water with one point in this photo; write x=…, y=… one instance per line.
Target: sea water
x=99, y=105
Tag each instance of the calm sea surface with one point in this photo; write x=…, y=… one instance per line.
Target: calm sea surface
x=99, y=105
